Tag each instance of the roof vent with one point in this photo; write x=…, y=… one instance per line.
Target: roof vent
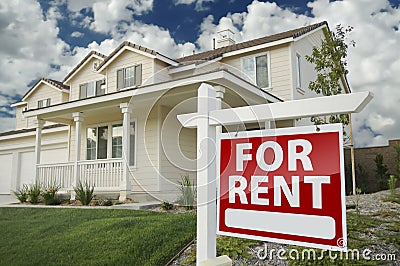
x=225, y=38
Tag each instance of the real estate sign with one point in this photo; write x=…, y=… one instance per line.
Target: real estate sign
x=283, y=185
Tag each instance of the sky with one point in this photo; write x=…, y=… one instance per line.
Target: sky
x=48, y=38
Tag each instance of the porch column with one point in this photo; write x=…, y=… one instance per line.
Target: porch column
x=78, y=119
x=125, y=183
x=38, y=143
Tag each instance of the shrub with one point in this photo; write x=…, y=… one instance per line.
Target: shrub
x=165, y=205
x=84, y=193
x=381, y=171
x=22, y=193
x=106, y=202
x=34, y=192
x=50, y=195
x=188, y=192
x=392, y=184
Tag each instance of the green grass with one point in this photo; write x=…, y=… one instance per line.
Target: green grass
x=36, y=236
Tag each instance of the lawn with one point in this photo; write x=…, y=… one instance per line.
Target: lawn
x=39, y=236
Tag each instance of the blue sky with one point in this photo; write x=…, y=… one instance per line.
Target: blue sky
x=47, y=38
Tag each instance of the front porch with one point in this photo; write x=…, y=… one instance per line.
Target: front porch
x=104, y=175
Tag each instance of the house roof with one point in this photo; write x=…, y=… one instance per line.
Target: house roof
x=212, y=54
x=51, y=82
x=27, y=130
x=139, y=48
x=83, y=62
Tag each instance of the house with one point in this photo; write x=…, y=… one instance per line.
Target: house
x=112, y=120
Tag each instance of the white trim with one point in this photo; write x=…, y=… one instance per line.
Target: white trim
x=215, y=77
x=18, y=104
x=83, y=65
x=46, y=83
x=134, y=166
x=311, y=32
x=257, y=47
x=33, y=133
x=132, y=49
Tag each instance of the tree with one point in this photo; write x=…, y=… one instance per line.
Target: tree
x=330, y=63
x=381, y=171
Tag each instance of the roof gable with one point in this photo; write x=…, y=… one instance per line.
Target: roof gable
x=219, y=52
x=54, y=84
x=82, y=63
x=137, y=49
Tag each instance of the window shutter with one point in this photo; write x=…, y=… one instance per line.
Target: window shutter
x=120, y=79
x=48, y=102
x=138, y=75
x=40, y=104
x=99, y=90
x=82, y=91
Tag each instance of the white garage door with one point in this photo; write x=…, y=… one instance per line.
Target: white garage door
x=27, y=170
x=5, y=173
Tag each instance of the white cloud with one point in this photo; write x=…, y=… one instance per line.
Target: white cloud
x=77, y=34
x=199, y=4
x=7, y=123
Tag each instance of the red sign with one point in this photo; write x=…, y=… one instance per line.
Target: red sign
x=283, y=185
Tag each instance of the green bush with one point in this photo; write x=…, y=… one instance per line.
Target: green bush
x=105, y=202
x=34, y=192
x=392, y=184
x=49, y=195
x=22, y=193
x=188, y=192
x=234, y=247
x=84, y=193
x=165, y=205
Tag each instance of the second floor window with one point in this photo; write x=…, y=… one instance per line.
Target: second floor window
x=129, y=77
x=44, y=103
x=257, y=69
x=90, y=89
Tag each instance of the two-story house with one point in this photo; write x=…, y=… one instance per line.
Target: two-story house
x=112, y=120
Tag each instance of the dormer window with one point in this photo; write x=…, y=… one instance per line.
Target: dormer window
x=257, y=69
x=44, y=103
x=91, y=89
x=129, y=77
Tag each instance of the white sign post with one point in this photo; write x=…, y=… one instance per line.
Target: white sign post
x=208, y=118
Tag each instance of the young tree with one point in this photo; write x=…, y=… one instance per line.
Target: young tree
x=330, y=63
x=381, y=171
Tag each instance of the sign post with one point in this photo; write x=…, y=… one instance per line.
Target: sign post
x=208, y=118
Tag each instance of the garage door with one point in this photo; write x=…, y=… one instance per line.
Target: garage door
x=5, y=173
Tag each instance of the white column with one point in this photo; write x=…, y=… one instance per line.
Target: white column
x=78, y=119
x=206, y=175
x=38, y=143
x=125, y=184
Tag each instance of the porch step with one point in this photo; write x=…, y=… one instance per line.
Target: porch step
x=138, y=205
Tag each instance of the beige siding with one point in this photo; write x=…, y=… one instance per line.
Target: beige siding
x=126, y=59
x=160, y=73
x=21, y=122
x=86, y=74
x=279, y=69
x=44, y=92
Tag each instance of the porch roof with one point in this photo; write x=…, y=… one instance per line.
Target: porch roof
x=61, y=113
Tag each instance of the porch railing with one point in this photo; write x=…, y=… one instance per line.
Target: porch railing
x=103, y=174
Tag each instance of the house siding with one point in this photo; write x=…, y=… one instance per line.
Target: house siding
x=280, y=72
x=126, y=59
x=85, y=74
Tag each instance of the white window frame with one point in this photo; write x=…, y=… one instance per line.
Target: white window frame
x=298, y=71
x=109, y=140
x=94, y=82
x=44, y=103
x=137, y=80
x=254, y=78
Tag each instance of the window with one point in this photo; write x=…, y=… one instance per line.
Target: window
x=298, y=65
x=257, y=69
x=91, y=89
x=129, y=77
x=44, y=103
x=97, y=140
